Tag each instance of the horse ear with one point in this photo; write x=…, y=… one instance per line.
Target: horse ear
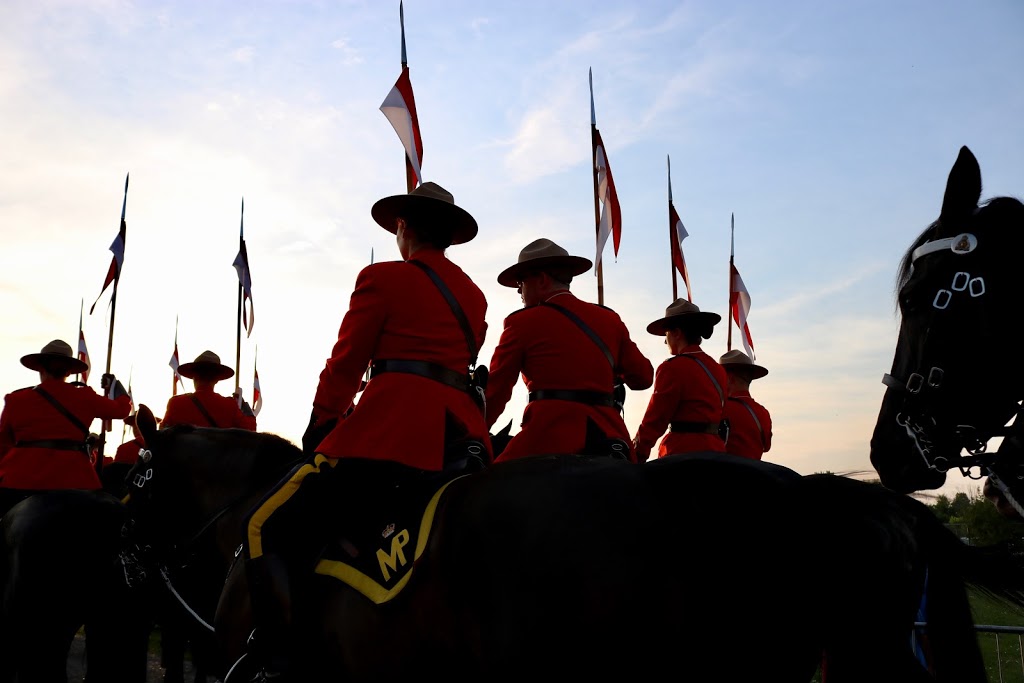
x=963, y=190
x=146, y=422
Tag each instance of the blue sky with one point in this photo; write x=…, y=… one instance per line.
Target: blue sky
x=828, y=129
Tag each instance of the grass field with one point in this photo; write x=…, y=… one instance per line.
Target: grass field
x=1002, y=651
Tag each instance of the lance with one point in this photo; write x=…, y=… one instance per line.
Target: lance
x=732, y=269
x=593, y=168
x=672, y=239
x=81, y=310
x=123, y=229
x=124, y=427
x=410, y=176
x=238, y=318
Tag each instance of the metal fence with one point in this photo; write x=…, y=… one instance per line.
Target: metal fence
x=1006, y=662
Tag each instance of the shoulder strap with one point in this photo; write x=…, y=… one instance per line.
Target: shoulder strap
x=203, y=410
x=754, y=415
x=586, y=329
x=453, y=303
x=707, y=371
x=63, y=411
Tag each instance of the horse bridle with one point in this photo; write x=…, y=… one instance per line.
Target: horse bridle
x=135, y=568
x=922, y=387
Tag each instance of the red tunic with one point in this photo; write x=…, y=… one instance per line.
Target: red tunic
x=224, y=410
x=552, y=352
x=27, y=416
x=683, y=392
x=128, y=452
x=745, y=437
x=397, y=313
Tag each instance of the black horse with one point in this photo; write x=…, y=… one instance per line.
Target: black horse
x=575, y=566
x=59, y=571
x=952, y=387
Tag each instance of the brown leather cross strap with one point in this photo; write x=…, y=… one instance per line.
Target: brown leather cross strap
x=63, y=411
x=750, y=410
x=586, y=330
x=204, y=411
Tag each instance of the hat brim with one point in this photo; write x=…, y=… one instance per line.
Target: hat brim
x=214, y=371
x=661, y=325
x=754, y=370
x=38, y=361
x=457, y=220
x=573, y=265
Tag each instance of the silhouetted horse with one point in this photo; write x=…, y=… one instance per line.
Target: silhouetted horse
x=956, y=380
x=573, y=566
x=59, y=571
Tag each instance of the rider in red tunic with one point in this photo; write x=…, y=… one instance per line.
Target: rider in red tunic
x=569, y=374
x=43, y=429
x=204, y=407
x=128, y=452
x=689, y=388
x=750, y=425
x=417, y=324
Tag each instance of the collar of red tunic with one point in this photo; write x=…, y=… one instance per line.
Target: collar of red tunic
x=690, y=350
x=566, y=293
x=428, y=255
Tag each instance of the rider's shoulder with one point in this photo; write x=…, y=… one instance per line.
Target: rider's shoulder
x=20, y=391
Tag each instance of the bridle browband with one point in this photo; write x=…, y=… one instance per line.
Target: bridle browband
x=921, y=387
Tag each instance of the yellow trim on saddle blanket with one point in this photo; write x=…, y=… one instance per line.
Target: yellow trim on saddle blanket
x=372, y=588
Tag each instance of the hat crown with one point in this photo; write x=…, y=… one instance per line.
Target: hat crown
x=735, y=357
x=207, y=357
x=432, y=190
x=58, y=348
x=541, y=248
x=681, y=307
x=736, y=361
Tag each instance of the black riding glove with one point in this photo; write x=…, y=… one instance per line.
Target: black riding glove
x=316, y=432
x=112, y=386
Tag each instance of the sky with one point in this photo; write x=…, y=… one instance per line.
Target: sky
x=826, y=129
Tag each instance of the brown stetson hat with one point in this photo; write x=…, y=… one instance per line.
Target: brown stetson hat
x=206, y=365
x=543, y=254
x=684, y=313
x=428, y=199
x=55, y=350
x=739, y=362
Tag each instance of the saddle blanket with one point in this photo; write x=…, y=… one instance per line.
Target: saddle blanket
x=379, y=561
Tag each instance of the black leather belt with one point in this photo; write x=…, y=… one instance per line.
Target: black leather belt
x=433, y=371
x=55, y=444
x=591, y=398
x=694, y=427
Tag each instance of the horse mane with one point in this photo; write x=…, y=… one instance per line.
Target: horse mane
x=993, y=213
x=267, y=456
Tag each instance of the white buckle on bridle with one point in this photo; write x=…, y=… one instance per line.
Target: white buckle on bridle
x=964, y=243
